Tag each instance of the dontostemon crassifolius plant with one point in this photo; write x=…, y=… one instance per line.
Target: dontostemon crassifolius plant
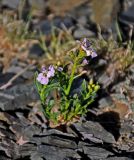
x=55, y=84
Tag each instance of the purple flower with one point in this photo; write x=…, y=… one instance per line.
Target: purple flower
x=44, y=76
x=60, y=69
x=43, y=69
x=84, y=62
x=50, y=72
x=93, y=53
x=42, y=79
x=86, y=46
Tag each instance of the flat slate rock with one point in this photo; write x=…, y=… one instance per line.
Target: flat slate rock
x=56, y=153
x=119, y=158
x=89, y=130
x=17, y=97
x=55, y=141
x=94, y=152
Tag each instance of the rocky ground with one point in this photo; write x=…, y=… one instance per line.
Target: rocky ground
x=107, y=131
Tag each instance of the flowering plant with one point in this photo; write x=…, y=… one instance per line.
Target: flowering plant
x=62, y=103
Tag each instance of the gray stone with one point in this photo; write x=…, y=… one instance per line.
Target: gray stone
x=83, y=32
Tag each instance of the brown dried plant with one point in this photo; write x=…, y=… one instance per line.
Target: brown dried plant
x=14, y=38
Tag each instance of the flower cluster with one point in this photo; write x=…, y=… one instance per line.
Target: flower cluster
x=87, y=47
x=45, y=74
x=61, y=103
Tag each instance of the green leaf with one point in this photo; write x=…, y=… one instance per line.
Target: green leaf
x=84, y=87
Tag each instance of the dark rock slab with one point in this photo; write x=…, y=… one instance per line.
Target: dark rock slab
x=17, y=97
x=58, y=133
x=119, y=158
x=93, y=132
x=62, y=142
x=4, y=158
x=56, y=153
x=94, y=152
x=9, y=147
x=26, y=150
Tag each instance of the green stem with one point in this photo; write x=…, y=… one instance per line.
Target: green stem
x=71, y=78
x=42, y=97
